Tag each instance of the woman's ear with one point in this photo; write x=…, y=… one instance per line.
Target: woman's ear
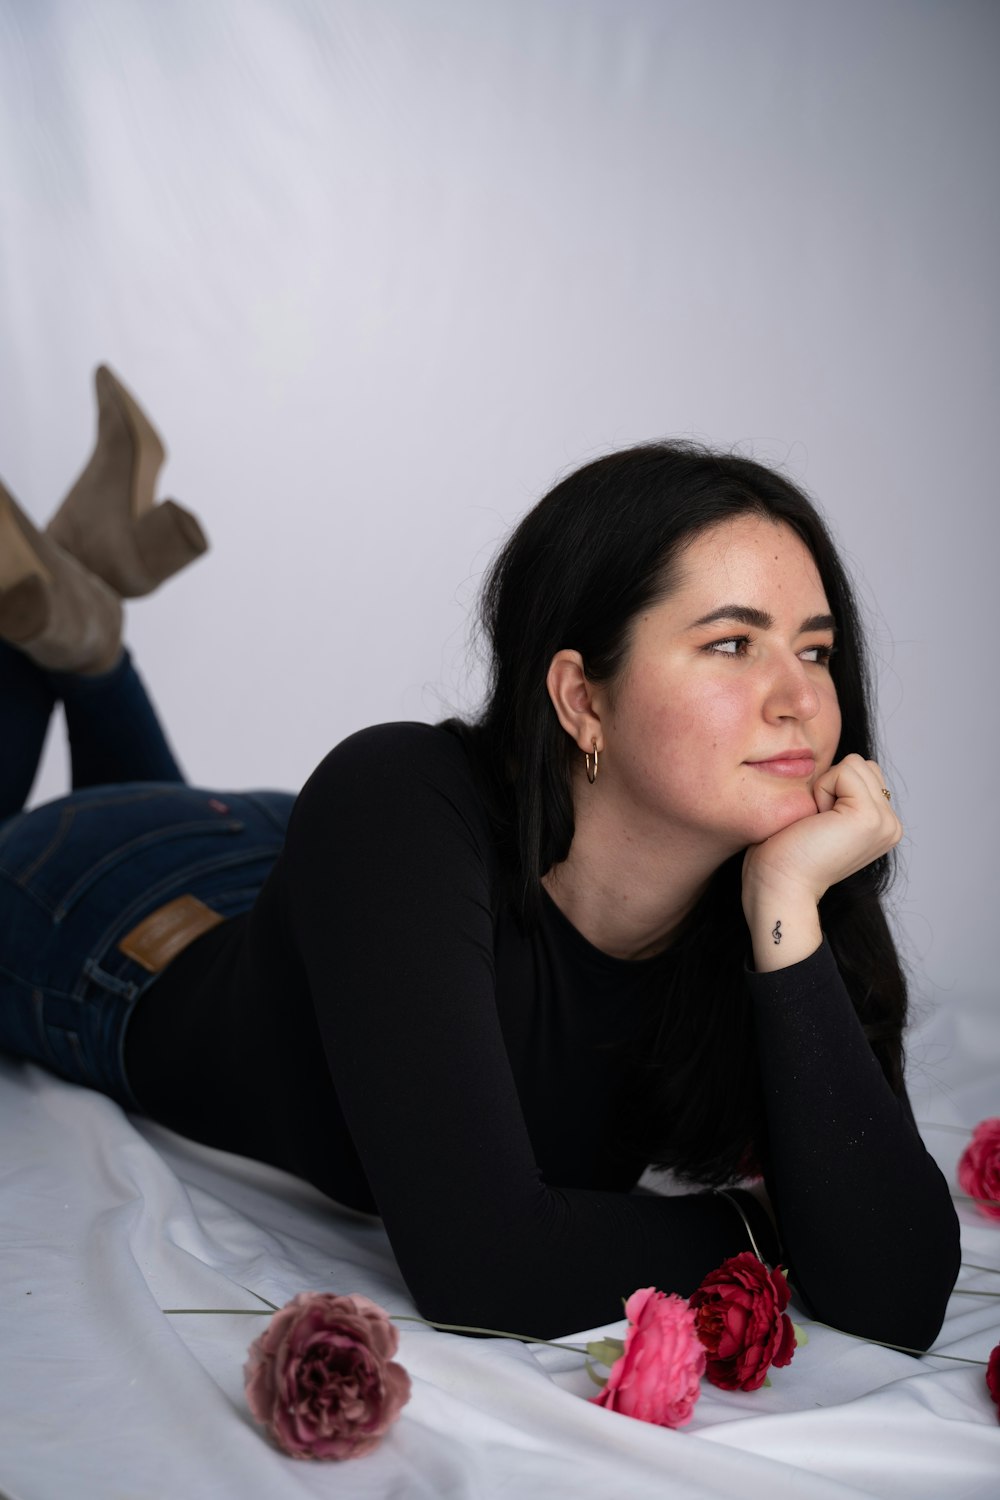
x=574, y=700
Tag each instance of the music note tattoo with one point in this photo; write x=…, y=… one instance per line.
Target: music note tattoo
x=776, y=931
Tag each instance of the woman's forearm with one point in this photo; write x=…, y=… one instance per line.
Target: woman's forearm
x=867, y=1226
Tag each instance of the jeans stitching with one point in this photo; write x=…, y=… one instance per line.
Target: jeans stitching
x=258, y=802
x=169, y=834
x=79, y=1057
x=41, y=1028
x=153, y=897
x=65, y=822
x=66, y=819
x=123, y=989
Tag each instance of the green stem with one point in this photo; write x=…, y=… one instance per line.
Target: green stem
x=495, y=1333
x=250, y=1312
x=961, y=1359
x=968, y=1198
x=272, y=1305
x=523, y=1338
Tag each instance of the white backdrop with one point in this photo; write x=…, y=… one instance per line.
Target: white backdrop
x=381, y=270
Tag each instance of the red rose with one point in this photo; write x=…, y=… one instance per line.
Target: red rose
x=320, y=1376
x=740, y=1318
x=979, y=1168
x=993, y=1377
x=657, y=1379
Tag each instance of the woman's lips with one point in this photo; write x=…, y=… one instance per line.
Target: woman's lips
x=792, y=764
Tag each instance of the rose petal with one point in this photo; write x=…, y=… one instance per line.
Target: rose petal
x=320, y=1379
x=979, y=1167
x=993, y=1377
x=657, y=1378
x=746, y=1301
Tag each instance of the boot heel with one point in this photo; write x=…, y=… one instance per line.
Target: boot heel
x=166, y=538
x=109, y=521
x=61, y=616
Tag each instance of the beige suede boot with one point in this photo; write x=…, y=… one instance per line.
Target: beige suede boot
x=51, y=607
x=109, y=521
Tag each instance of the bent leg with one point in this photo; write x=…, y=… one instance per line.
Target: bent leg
x=114, y=733
x=27, y=699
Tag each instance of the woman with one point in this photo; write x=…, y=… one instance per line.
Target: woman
x=489, y=972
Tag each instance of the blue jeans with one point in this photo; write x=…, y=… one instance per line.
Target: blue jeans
x=79, y=873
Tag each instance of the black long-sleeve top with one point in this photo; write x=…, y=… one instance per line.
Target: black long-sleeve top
x=382, y=1025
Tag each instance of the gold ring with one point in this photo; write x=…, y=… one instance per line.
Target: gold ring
x=887, y=794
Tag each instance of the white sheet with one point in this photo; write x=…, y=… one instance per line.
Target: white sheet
x=397, y=265
x=106, y=1219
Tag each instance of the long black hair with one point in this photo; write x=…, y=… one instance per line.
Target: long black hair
x=601, y=547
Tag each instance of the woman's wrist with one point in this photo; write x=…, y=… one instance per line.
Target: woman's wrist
x=784, y=927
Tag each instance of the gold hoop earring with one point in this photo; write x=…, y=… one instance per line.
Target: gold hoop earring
x=591, y=769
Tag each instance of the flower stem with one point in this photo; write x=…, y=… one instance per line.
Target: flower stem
x=962, y=1359
x=272, y=1305
x=494, y=1333
x=968, y=1198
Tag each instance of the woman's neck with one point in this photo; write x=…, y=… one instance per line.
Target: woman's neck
x=627, y=893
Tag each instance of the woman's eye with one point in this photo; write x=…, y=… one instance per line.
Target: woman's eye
x=734, y=645
x=819, y=654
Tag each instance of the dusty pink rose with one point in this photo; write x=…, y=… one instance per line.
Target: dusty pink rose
x=993, y=1377
x=741, y=1320
x=979, y=1168
x=657, y=1378
x=321, y=1377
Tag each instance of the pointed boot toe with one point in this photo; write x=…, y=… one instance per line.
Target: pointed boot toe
x=109, y=521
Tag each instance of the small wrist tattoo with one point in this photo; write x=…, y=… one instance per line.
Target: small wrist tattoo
x=776, y=931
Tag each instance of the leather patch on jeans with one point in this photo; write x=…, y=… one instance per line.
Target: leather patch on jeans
x=167, y=931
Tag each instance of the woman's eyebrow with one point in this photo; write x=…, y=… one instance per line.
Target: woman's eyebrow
x=818, y=622
x=759, y=619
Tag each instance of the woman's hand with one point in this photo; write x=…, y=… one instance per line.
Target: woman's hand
x=785, y=876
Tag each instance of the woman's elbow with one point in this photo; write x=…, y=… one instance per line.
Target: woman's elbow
x=902, y=1303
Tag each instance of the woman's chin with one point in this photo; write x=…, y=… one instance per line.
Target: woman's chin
x=792, y=808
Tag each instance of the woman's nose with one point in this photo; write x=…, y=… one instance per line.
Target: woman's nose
x=793, y=694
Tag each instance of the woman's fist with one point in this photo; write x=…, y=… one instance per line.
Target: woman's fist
x=785, y=876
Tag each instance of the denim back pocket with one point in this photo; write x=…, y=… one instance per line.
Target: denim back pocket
x=57, y=852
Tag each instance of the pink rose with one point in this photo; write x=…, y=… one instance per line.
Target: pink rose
x=657, y=1377
x=979, y=1168
x=320, y=1377
x=993, y=1377
x=741, y=1320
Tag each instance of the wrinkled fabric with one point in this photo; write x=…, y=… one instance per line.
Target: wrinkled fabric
x=107, y=1219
